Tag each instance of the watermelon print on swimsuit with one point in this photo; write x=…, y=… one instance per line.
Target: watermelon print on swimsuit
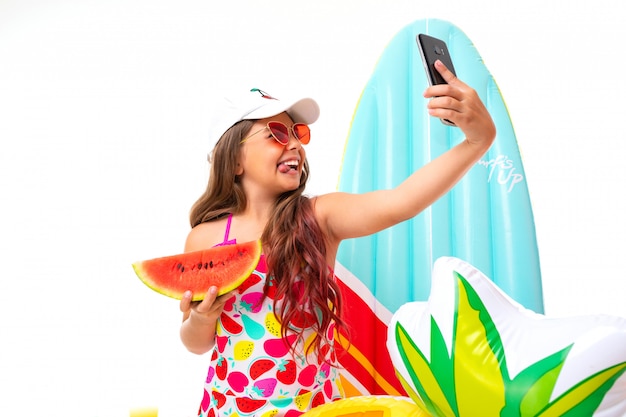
x=252, y=371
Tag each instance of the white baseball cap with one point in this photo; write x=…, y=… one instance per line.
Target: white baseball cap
x=257, y=104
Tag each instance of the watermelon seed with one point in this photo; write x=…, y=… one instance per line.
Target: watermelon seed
x=179, y=265
x=200, y=265
x=206, y=265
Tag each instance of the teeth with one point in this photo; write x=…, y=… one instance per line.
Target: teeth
x=286, y=166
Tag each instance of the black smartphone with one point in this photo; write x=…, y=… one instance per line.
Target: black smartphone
x=432, y=49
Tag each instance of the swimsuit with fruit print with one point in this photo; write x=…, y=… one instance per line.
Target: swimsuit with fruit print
x=252, y=370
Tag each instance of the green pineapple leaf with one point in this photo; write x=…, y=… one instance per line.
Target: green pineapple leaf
x=584, y=398
x=442, y=365
x=530, y=391
x=474, y=377
x=477, y=351
x=426, y=385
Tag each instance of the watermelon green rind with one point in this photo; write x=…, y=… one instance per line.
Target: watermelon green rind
x=226, y=267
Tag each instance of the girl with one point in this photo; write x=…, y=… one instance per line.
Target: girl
x=271, y=340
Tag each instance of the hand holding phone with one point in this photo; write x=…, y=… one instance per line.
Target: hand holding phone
x=433, y=49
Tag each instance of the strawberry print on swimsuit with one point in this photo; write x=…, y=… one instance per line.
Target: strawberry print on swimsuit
x=252, y=370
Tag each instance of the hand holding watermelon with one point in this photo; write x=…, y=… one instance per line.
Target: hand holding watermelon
x=200, y=319
x=203, y=281
x=207, y=310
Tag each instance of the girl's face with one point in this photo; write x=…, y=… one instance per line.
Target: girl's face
x=265, y=164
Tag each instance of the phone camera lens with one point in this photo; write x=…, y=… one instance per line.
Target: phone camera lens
x=438, y=50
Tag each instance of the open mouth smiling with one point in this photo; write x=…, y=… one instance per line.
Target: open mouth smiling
x=287, y=166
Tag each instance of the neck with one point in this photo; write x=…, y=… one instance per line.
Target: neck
x=259, y=205
x=256, y=215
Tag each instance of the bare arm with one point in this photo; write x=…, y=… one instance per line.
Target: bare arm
x=200, y=320
x=351, y=215
x=197, y=331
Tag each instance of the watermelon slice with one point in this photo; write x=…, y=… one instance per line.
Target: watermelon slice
x=226, y=267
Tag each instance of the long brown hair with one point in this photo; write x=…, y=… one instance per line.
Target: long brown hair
x=293, y=243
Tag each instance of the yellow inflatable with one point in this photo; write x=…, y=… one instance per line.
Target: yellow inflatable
x=369, y=406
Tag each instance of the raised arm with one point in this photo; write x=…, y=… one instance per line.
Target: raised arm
x=346, y=215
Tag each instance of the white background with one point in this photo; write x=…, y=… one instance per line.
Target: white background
x=103, y=121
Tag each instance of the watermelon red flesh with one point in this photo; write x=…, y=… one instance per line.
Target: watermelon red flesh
x=225, y=267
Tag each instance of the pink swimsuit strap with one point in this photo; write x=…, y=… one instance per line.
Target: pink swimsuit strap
x=226, y=240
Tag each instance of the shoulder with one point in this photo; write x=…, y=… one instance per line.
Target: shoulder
x=326, y=207
x=205, y=235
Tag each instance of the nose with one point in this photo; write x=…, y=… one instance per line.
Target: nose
x=294, y=142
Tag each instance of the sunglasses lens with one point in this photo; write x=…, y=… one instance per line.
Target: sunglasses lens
x=279, y=131
x=302, y=132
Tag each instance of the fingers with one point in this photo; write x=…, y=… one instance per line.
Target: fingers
x=454, y=88
x=445, y=72
x=205, y=305
x=459, y=103
x=212, y=304
x=445, y=106
x=185, y=302
x=206, y=310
